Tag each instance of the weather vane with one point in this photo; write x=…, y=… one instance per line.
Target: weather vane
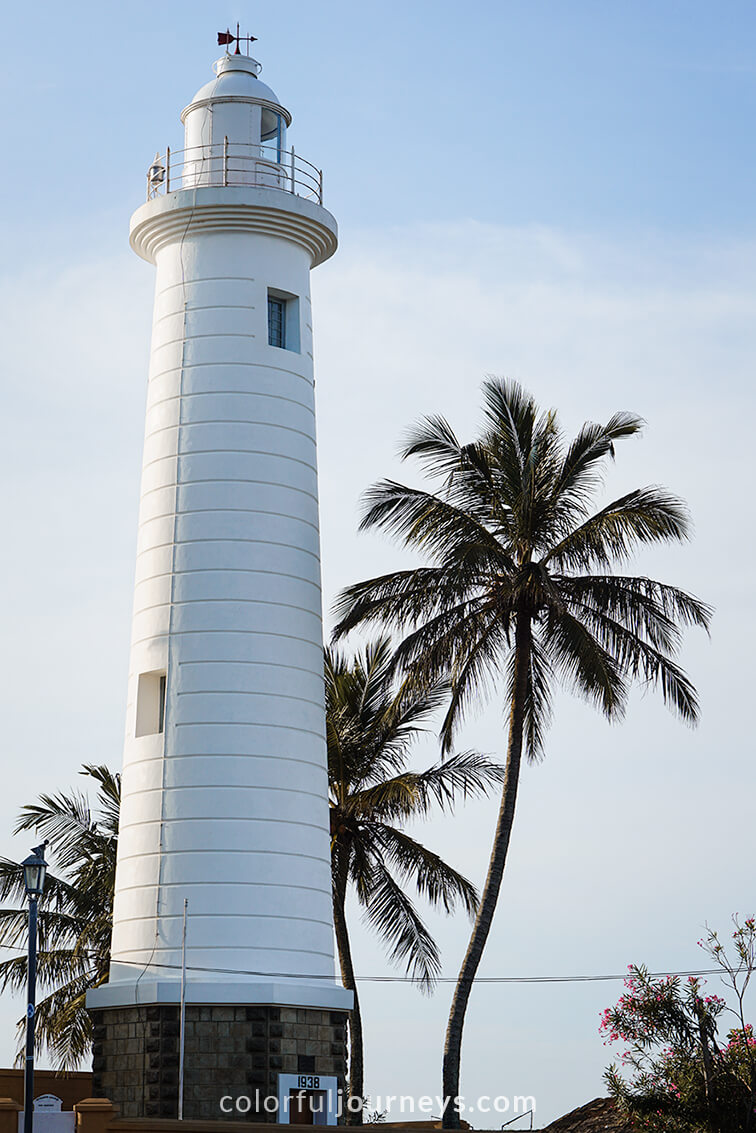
x=225, y=38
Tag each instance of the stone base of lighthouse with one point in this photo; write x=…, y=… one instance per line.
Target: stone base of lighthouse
x=229, y=1052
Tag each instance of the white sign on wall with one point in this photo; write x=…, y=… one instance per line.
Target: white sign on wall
x=321, y=1094
x=47, y=1103
x=49, y=1116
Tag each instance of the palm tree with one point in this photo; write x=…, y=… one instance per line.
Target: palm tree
x=75, y=917
x=524, y=590
x=370, y=725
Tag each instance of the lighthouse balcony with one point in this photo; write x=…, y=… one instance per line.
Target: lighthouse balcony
x=233, y=164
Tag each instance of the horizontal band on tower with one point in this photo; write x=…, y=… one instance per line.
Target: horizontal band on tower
x=235, y=209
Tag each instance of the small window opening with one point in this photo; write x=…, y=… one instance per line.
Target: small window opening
x=276, y=322
x=161, y=704
x=283, y=320
x=150, y=706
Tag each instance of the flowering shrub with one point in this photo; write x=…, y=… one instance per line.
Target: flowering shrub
x=676, y=1074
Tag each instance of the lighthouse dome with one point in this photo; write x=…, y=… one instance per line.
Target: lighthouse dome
x=237, y=78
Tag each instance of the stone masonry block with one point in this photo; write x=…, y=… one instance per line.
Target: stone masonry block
x=222, y=1014
x=233, y=1050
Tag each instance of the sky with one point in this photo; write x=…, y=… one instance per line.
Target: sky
x=557, y=193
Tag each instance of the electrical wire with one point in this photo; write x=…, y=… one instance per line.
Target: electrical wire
x=604, y=978
x=443, y=979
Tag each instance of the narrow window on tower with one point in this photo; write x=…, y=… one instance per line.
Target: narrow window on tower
x=276, y=322
x=283, y=320
x=150, y=706
x=161, y=704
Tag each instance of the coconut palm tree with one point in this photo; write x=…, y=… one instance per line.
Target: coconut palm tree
x=524, y=589
x=75, y=917
x=371, y=724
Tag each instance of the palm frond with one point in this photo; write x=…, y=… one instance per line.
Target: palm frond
x=467, y=475
x=439, y=647
x=412, y=794
x=434, y=879
x=392, y=914
x=581, y=472
x=59, y=894
x=370, y=720
x=468, y=774
x=396, y=798
x=63, y=1027
x=643, y=659
x=108, y=796
x=393, y=600
x=643, y=605
x=537, y=701
x=474, y=674
x=428, y=522
x=64, y=820
x=509, y=415
x=646, y=515
x=583, y=662
x=52, y=968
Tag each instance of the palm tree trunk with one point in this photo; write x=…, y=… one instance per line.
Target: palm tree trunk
x=490, y=896
x=356, y=1049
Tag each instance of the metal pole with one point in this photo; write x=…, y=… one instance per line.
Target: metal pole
x=168, y=169
x=30, y=1008
x=225, y=160
x=321, y=187
x=293, y=170
x=182, y=1016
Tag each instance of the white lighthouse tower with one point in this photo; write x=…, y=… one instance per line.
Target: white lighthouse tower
x=225, y=809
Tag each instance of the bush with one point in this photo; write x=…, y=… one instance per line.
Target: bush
x=678, y=1076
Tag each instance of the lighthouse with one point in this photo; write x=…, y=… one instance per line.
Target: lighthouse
x=222, y=969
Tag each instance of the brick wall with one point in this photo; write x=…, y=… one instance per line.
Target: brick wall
x=70, y=1087
x=228, y=1050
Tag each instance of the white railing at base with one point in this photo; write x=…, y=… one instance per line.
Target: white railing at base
x=230, y=163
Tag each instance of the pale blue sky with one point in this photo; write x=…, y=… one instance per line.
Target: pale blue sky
x=608, y=115
x=559, y=192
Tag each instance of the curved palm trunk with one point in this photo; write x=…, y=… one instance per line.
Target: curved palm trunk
x=490, y=896
x=356, y=1050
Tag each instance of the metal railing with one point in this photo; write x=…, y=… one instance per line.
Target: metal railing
x=519, y=1118
x=232, y=163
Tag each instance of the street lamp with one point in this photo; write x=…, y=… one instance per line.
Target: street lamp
x=35, y=869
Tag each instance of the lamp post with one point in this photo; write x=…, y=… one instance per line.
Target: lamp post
x=35, y=869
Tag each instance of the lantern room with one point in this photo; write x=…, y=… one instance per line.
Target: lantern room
x=238, y=106
x=235, y=129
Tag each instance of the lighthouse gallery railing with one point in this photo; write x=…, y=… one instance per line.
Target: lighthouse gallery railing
x=232, y=163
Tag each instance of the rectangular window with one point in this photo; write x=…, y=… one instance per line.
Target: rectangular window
x=161, y=704
x=283, y=320
x=150, y=705
x=276, y=322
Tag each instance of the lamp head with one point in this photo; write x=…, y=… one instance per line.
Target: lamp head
x=156, y=172
x=35, y=871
